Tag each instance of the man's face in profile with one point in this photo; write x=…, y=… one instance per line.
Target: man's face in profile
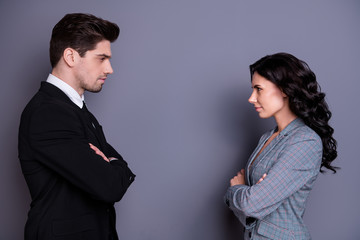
x=91, y=71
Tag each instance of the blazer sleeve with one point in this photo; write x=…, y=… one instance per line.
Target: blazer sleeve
x=57, y=137
x=297, y=164
x=120, y=162
x=109, y=151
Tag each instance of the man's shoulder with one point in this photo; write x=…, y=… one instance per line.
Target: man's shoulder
x=44, y=114
x=49, y=96
x=43, y=104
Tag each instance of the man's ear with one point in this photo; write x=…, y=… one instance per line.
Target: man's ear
x=70, y=56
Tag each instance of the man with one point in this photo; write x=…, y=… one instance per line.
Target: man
x=73, y=174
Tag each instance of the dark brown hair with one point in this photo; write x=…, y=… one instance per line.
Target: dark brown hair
x=298, y=82
x=81, y=32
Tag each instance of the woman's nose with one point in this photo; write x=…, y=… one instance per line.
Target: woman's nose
x=252, y=99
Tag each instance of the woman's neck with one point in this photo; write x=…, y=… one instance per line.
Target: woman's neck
x=283, y=121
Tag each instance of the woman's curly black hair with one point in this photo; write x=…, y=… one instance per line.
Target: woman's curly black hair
x=298, y=82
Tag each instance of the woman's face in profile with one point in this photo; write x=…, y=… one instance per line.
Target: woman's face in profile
x=267, y=98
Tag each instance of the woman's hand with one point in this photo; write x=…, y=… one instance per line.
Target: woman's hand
x=262, y=178
x=239, y=179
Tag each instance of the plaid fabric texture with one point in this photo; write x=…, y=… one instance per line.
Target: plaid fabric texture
x=292, y=162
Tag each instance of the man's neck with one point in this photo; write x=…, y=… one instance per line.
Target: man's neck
x=67, y=77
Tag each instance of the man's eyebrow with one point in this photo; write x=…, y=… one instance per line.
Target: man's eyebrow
x=103, y=55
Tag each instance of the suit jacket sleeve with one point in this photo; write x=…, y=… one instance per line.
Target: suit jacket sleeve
x=58, y=139
x=297, y=164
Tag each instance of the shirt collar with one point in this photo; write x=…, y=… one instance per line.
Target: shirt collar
x=67, y=89
x=298, y=122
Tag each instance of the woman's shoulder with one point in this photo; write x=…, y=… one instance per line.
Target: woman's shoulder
x=305, y=147
x=304, y=133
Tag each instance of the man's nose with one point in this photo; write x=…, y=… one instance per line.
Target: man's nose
x=109, y=69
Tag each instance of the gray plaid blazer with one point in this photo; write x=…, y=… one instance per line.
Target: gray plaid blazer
x=274, y=208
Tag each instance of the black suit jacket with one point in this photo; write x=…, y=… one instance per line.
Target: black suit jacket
x=73, y=190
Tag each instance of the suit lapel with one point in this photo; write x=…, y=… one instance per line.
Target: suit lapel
x=93, y=129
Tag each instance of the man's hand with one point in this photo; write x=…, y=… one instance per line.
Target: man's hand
x=98, y=152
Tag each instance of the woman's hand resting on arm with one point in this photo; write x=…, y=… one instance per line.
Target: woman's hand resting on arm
x=239, y=179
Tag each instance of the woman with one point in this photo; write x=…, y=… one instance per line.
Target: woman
x=269, y=195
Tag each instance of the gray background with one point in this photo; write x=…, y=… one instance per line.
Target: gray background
x=176, y=106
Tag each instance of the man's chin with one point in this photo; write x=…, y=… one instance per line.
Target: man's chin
x=94, y=90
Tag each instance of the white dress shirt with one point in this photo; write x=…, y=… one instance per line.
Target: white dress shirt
x=67, y=89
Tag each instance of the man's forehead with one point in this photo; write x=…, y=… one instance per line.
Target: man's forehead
x=102, y=49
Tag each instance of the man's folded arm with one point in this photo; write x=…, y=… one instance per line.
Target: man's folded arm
x=57, y=137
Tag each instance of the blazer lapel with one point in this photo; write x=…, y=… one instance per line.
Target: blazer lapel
x=252, y=166
x=254, y=161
